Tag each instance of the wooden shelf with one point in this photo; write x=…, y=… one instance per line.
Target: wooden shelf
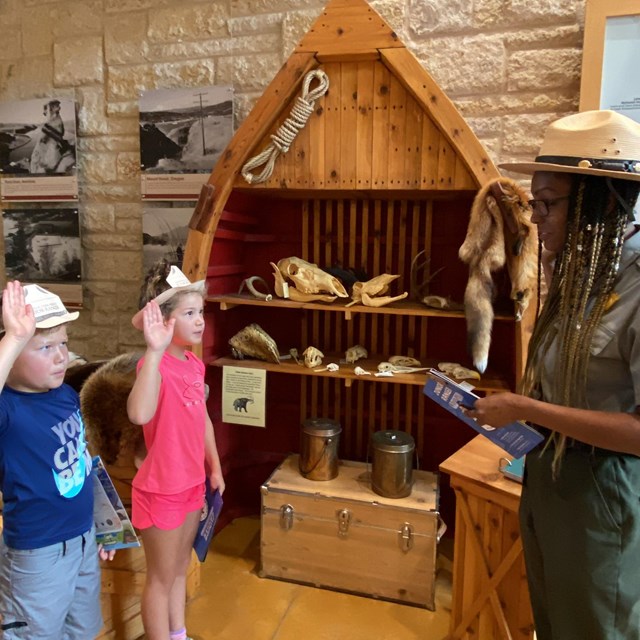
x=403, y=308
x=490, y=383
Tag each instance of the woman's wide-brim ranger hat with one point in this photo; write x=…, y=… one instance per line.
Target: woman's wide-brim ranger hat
x=599, y=143
x=177, y=282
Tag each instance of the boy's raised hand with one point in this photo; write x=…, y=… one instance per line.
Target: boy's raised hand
x=157, y=332
x=17, y=317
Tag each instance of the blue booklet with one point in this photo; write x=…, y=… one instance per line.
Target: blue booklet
x=113, y=526
x=513, y=469
x=516, y=438
x=208, y=518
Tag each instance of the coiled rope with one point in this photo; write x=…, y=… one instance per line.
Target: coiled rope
x=283, y=138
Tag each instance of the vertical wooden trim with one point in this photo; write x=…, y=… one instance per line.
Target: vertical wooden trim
x=364, y=126
x=333, y=141
x=381, y=101
x=349, y=152
x=397, y=131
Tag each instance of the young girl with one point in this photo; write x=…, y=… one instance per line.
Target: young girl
x=168, y=399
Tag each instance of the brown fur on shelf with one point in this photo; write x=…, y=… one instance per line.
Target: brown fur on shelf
x=103, y=399
x=500, y=232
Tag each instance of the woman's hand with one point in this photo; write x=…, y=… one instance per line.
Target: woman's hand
x=18, y=318
x=497, y=409
x=157, y=332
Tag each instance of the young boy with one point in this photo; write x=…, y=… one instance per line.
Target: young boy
x=49, y=571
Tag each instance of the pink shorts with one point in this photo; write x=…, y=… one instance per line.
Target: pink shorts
x=164, y=511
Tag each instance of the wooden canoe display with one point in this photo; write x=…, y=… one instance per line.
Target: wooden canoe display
x=385, y=169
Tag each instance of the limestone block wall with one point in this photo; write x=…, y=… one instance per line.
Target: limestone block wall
x=510, y=66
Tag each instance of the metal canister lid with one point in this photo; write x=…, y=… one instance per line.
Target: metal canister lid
x=393, y=441
x=321, y=427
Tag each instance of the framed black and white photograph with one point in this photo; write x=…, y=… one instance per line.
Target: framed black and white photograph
x=164, y=235
x=42, y=245
x=182, y=134
x=38, y=139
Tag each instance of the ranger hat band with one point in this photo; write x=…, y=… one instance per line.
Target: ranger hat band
x=48, y=308
x=600, y=143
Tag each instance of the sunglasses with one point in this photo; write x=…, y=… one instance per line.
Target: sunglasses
x=542, y=206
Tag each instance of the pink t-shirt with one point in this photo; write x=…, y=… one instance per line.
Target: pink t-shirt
x=175, y=435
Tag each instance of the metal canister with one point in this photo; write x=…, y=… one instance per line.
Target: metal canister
x=319, y=442
x=392, y=463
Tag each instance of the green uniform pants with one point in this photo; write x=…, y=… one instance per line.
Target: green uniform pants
x=581, y=537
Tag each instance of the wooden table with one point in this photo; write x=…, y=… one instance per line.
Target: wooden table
x=490, y=593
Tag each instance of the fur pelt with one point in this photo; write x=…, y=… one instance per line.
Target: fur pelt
x=500, y=231
x=103, y=400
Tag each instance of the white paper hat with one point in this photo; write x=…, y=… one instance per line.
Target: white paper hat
x=178, y=282
x=47, y=307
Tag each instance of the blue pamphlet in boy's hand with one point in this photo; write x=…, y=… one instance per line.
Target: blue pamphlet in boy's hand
x=210, y=512
x=516, y=438
x=113, y=526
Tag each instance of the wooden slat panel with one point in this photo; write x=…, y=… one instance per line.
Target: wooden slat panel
x=300, y=151
x=381, y=99
x=364, y=127
x=435, y=102
x=446, y=165
x=332, y=141
x=397, y=124
x=316, y=148
x=413, y=144
x=463, y=179
x=348, y=125
x=430, y=153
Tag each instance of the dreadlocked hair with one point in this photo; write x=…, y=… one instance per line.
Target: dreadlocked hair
x=583, y=279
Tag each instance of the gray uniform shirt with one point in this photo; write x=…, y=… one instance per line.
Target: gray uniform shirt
x=613, y=376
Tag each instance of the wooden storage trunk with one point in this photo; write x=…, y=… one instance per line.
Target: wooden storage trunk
x=341, y=535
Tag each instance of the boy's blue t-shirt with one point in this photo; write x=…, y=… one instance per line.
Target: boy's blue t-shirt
x=44, y=468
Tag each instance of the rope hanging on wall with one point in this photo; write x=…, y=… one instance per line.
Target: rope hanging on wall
x=283, y=138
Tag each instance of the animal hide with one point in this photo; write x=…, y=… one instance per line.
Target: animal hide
x=103, y=400
x=500, y=231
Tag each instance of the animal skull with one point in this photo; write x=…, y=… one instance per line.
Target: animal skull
x=355, y=353
x=405, y=361
x=294, y=294
x=370, y=293
x=309, y=278
x=312, y=357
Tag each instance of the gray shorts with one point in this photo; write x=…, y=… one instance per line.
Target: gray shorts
x=52, y=593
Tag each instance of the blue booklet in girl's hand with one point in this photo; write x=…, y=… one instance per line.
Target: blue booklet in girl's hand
x=210, y=512
x=516, y=438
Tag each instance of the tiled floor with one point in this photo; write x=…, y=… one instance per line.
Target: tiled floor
x=234, y=603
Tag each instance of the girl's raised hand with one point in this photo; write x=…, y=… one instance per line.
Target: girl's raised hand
x=17, y=317
x=157, y=332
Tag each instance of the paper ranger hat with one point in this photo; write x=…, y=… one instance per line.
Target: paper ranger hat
x=47, y=307
x=177, y=282
x=599, y=143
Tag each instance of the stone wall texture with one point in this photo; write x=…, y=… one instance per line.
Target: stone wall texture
x=510, y=66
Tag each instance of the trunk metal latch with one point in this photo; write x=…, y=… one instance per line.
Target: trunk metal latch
x=406, y=537
x=344, y=520
x=286, y=517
